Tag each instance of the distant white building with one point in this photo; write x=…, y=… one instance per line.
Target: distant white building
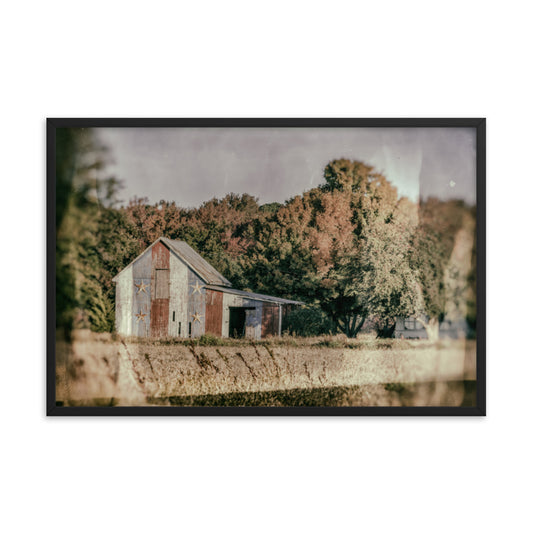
x=412, y=328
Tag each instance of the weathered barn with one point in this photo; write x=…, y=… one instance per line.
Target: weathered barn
x=170, y=290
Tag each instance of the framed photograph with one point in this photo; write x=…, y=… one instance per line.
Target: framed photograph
x=266, y=267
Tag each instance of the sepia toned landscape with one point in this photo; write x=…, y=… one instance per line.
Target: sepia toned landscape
x=358, y=289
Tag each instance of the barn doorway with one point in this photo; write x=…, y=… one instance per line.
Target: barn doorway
x=237, y=321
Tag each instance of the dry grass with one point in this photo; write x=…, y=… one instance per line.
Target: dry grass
x=104, y=370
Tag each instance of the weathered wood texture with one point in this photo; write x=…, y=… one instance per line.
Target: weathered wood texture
x=253, y=318
x=196, y=305
x=178, y=302
x=159, y=318
x=160, y=279
x=270, y=320
x=142, y=279
x=228, y=300
x=160, y=256
x=253, y=314
x=213, y=312
x=162, y=284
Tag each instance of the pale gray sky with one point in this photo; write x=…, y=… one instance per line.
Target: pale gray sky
x=192, y=165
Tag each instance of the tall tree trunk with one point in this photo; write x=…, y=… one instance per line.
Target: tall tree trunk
x=350, y=325
x=432, y=329
x=359, y=326
x=387, y=331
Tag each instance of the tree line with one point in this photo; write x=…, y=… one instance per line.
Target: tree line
x=351, y=248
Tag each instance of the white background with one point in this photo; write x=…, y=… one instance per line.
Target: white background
x=245, y=59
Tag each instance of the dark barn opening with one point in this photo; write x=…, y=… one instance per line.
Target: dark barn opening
x=237, y=321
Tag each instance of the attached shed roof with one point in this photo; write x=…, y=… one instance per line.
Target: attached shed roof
x=255, y=296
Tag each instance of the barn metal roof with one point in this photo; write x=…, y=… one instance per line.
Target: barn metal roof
x=191, y=258
x=197, y=263
x=254, y=295
x=213, y=279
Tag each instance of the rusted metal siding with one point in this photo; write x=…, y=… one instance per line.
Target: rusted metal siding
x=160, y=287
x=160, y=256
x=178, y=320
x=162, y=284
x=142, y=279
x=270, y=320
x=213, y=312
x=159, y=318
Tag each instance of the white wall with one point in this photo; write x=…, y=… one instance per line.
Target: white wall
x=339, y=59
x=179, y=294
x=228, y=300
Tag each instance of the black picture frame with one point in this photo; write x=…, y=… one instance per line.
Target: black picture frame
x=479, y=124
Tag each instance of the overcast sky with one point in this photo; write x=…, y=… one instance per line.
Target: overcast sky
x=192, y=165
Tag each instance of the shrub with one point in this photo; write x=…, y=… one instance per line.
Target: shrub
x=99, y=308
x=308, y=321
x=209, y=339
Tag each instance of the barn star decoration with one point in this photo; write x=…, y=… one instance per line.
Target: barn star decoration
x=140, y=316
x=141, y=287
x=197, y=317
x=197, y=288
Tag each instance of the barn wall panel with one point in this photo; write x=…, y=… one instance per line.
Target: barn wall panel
x=213, y=312
x=159, y=311
x=179, y=287
x=159, y=318
x=253, y=318
x=142, y=268
x=229, y=300
x=270, y=320
x=196, y=305
x=142, y=279
x=160, y=256
x=141, y=307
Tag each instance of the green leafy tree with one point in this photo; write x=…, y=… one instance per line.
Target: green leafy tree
x=387, y=284
x=279, y=258
x=356, y=202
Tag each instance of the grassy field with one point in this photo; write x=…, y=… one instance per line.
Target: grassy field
x=103, y=370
